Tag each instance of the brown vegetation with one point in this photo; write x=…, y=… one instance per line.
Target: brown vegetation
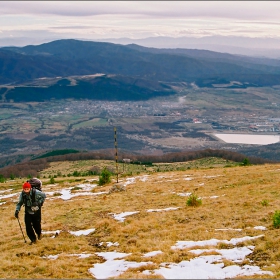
x=232, y=198
x=33, y=167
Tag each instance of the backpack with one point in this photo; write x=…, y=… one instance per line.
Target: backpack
x=35, y=183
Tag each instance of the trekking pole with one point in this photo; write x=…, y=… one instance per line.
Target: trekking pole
x=21, y=230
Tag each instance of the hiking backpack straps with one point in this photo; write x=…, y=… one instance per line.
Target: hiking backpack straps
x=33, y=195
x=24, y=196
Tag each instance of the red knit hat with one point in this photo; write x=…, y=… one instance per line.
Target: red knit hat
x=26, y=185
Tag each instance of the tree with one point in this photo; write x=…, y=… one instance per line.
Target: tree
x=105, y=177
x=246, y=162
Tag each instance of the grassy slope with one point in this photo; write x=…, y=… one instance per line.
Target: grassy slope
x=240, y=191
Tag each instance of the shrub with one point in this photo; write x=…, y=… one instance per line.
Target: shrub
x=264, y=202
x=194, y=200
x=76, y=173
x=2, y=179
x=246, y=162
x=52, y=181
x=104, y=177
x=276, y=219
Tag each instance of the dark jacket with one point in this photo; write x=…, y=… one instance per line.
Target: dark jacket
x=26, y=199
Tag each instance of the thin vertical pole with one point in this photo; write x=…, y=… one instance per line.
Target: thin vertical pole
x=116, y=154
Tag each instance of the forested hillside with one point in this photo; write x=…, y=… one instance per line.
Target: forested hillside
x=129, y=65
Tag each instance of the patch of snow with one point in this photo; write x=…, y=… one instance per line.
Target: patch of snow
x=81, y=256
x=151, y=254
x=166, y=209
x=112, y=267
x=129, y=181
x=260, y=227
x=211, y=242
x=144, y=178
x=51, y=257
x=184, y=194
x=201, y=268
x=9, y=195
x=120, y=217
x=82, y=232
x=225, y=229
x=235, y=254
x=8, y=190
x=109, y=244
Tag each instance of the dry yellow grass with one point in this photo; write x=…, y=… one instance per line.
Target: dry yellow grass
x=231, y=199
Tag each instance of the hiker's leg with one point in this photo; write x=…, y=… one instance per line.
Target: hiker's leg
x=28, y=225
x=36, y=220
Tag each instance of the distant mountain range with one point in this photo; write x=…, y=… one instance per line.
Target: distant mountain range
x=67, y=68
x=238, y=45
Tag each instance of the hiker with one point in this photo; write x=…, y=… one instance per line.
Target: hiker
x=33, y=200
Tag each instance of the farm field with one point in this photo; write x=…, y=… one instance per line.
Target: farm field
x=188, y=120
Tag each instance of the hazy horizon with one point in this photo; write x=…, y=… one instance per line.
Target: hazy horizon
x=146, y=23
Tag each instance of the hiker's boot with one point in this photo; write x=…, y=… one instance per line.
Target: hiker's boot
x=32, y=242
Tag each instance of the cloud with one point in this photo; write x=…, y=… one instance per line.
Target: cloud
x=217, y=9
x=93, y=20
x=70, y=27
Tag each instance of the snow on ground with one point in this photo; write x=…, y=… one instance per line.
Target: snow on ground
x=260, y=227
x=8, y=195
x=234, y=254
x=109, y=244
x=81, y=256
x=212, y=176
x=51, y=257
x=211, y=242
x=151, y=254
x=184, y=194
x=121, y=217
x=82, y=232
x=165, y=209
x=188, y=179
x=54, y=232
x=66, y=194
x=144, y=178
x=85, y=189
x=204, y=266
x=112, y=267
x=8, y=190
x=129, y=181
x=225, y=229
x=201, y=267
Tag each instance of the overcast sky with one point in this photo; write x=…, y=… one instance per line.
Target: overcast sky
x=138, y=19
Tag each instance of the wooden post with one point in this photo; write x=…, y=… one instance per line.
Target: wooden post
x=116, y=154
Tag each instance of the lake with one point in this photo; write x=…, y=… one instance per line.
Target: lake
x=254, y=139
